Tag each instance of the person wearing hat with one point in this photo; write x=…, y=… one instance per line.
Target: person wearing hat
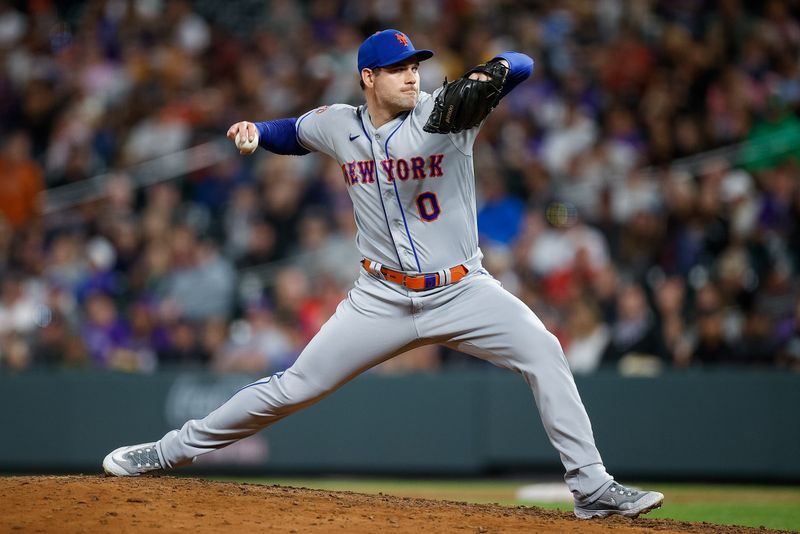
x=406, y=161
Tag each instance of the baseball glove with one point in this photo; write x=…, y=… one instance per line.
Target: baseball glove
x=464, y=103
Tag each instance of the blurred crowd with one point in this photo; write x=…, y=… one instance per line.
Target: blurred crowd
x=639, y=192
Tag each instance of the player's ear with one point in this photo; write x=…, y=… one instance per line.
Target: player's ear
x=367, y=78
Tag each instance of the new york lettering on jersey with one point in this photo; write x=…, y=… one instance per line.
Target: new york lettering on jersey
x=416, y=168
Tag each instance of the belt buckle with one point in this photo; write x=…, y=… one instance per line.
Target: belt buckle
x=430, y=281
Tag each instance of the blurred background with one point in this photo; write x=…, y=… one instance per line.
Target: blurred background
x=639, y=193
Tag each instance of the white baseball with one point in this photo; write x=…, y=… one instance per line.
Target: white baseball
x=245, y=146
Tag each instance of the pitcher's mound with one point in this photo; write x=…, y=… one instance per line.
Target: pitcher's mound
x=88, y=504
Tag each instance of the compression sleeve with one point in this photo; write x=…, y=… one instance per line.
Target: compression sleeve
x=280, y=137
x=520, y=68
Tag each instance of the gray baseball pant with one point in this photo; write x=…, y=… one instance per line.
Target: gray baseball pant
x=476, y=316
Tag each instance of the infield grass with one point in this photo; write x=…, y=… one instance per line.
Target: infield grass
x=775, y=507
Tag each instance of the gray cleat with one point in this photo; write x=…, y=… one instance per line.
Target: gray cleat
x=132, y=461
x=619, y=500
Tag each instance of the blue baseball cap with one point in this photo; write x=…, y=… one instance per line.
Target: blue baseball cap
x=388, y=47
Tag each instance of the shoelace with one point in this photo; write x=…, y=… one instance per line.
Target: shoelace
x=619, y=489
x=147, y=457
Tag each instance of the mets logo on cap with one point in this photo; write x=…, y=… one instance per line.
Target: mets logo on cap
x=402, y=38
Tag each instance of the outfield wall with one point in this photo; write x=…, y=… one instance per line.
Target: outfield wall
x=721, y=425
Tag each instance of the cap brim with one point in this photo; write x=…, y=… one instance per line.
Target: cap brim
x=421, y=55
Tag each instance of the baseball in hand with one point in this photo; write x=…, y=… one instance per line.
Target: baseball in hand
x=245, y=146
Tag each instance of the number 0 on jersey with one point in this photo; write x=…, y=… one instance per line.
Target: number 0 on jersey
x=428, y=206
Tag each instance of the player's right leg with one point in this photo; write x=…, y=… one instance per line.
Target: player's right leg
x=371, y=325
x=486, y=321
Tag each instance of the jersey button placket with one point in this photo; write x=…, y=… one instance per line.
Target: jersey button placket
x=388, y=194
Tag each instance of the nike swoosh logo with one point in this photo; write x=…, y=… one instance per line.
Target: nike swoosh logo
x=354, y=137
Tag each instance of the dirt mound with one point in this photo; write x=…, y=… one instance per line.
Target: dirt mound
x=88, y=504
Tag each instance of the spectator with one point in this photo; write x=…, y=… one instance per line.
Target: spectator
x=758, y=345
x=711, y=347
x=588, y=337
x=577, y=133
x=634, y=332
x=241, y=213
x=672, y=307
x=21, y=300
x=21, y=181
x=259, y=248
x=261, y=345
x=713, y=343
x=66, y=264
x=148, y=334
x=323, y=252
x=108, y=336
x=100, y=276
x=202, y=282
x=56, y=345
x=183, y=348
x=500, y=216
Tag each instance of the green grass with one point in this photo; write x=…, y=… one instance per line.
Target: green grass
x=776, y=507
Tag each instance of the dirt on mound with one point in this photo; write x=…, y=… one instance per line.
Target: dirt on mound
x=88, y=504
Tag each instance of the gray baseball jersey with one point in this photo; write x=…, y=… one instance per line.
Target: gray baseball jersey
x=414, y=202
x=413, y=193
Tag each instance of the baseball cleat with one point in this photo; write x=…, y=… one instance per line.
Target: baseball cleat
x=132, y=461
x=619, y=500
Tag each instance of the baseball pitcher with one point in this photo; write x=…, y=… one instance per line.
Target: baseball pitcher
x=406, y=160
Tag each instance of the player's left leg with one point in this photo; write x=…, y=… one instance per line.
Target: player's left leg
x=480, y=318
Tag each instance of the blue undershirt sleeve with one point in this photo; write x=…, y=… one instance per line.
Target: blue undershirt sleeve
x=520, y=68
x=280, y=137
